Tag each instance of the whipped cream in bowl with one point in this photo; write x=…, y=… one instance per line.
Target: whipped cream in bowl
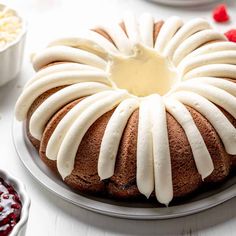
x=12, y=41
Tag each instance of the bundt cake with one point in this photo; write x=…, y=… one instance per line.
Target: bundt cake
x=143, y=107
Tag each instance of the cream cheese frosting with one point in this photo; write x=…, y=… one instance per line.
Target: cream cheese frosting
x=145, y=170
x=112, y=136
x=201, y=155
x=146, y=23
x=188, y=64
x=72, y=139
x=161, y=152
x=139, y=73
x=62, y=128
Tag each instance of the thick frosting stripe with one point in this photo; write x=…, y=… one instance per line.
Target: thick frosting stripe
x=145, y=168
x=62, y=68
x=223, y=127
x=48, y=82
x=200, y=152
x=112, y=136
x=119, y=38
x=226, y=85
x=212, y=47
x=101, y=41
x=69, y=54
x=131, y=27
x=90, y=41
x=161, y=152
x=166, y=33
x=195, y=41
x=63, y=126
x=64, y=96
x=183, y=33
x=214, y=94
x=146, y=25
x=223, y=57
x=71, y=142
x=215, y=70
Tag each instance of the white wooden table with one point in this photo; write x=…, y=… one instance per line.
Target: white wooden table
x=49, y=215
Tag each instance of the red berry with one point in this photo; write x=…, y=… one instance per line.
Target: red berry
x=231, y=35
x=5, y=196
x=220, y=13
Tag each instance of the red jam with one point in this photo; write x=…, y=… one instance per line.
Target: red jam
x=10, y=208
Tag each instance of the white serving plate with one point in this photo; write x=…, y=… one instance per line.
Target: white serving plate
x=185, y=2
x=129, y=210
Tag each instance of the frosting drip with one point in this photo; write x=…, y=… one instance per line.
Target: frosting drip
x=112, y=136
x=145, y=170
x=72, y=139
x=161, y=152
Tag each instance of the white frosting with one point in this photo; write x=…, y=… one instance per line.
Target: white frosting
x=210, y=48
x=71, y=142
x=194, y=41
x=222, y=57
x=146, y=27
x=131, y=28
x=69, y=54
x=187, y=30
x=161, y=152
x=145, y=167
x=226, y=85
x=119, y=38
x=62, y=68
x=214, y=94
x=112, y=136
x=214, y=70
x=200, y=152
x=89, y=41
x=49, y=107
x=48, y=82
x=101, y=41
x=223, y=127
x=62, y=128
x=167, y=31
x=202, y=57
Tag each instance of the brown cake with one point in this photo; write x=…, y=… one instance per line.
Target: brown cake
x=137, y=108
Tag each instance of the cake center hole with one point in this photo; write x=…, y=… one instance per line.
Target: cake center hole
x=143, y=73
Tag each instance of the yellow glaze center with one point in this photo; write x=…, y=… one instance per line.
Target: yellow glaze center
x=143, y=73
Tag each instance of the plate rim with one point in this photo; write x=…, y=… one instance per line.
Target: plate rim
x=125, y=212
x=184, y=2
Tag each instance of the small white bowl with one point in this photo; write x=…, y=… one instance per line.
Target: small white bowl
x=20, y=228
x=11, y=56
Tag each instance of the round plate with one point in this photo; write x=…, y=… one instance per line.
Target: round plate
x=184, y=2
x=129, y=210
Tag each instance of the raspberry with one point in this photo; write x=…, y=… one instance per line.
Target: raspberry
x=231, y=35
x=220, y=13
